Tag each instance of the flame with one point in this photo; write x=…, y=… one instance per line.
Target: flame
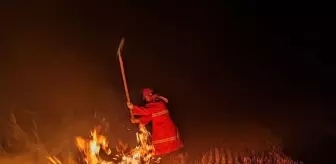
x=91, y=147
x=144, y=152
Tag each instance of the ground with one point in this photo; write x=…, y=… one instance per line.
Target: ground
x=234, y=136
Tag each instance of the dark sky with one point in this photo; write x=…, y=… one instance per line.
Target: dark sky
x=257, y=61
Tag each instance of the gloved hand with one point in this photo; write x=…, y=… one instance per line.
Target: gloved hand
x=135, y=121
x=130, y=105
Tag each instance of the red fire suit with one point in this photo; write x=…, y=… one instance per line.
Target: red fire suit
x=165, y=135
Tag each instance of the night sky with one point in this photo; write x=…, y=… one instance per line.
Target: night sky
x=220, y=65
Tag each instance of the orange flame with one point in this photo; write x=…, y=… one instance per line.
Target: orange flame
x=143, y=153
x=92, y=147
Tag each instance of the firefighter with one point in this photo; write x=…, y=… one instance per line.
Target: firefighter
x=165, y=135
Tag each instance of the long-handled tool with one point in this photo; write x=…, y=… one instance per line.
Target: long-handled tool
x=121, y=45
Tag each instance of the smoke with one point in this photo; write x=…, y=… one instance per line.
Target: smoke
x=52, y=71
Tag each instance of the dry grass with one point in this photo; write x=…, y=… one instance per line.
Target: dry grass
x=27, y=148
x=227, y=156
x=32, y=151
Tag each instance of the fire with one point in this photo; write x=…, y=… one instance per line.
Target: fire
x=91, y=148
x=144, y=151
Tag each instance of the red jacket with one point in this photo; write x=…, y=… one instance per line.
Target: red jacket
x=165, y=135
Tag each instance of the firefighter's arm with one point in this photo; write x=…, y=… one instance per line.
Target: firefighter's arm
x=141, y=111
x=136, y=110
x=143, y=120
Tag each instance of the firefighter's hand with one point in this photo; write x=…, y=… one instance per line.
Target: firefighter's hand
x=134, y=121
x=130, y=105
